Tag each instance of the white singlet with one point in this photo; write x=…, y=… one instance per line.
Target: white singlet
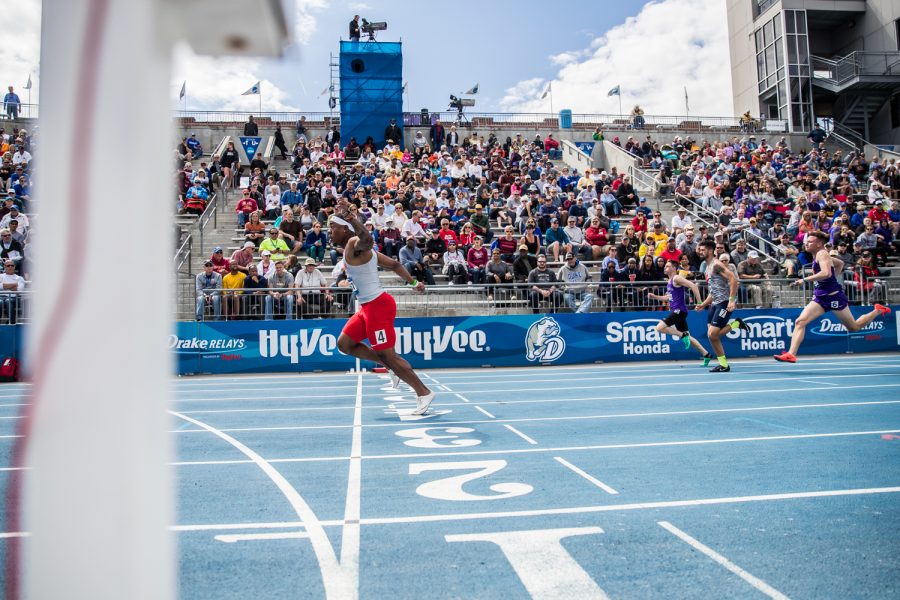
x=365, y=279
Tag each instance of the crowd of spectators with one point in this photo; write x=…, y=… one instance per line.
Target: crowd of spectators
x=484, y=211
x=16, y=165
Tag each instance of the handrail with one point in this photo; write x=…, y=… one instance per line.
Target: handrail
x=487, y=119
x=184, y=254
x=855, y=64
x=210, y=212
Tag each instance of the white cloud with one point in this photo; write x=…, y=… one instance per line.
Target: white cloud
x=217, y=83
x=358, y=6
x=669, y=45
x=20, y=51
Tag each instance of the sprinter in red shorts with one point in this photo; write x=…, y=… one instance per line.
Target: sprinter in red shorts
x=375, y=319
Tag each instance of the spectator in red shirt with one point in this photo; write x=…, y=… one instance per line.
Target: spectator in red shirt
x=447, y=234
x=671, y=252
x=221, y=265
x=596, y=236
x=476, y=261
x=245, y=206
x=550, y=143
x=639, y=222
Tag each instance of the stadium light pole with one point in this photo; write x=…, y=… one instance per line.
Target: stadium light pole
x=97, y=499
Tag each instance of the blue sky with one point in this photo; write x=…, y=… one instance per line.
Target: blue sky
x=657, y=51
x=448, y=47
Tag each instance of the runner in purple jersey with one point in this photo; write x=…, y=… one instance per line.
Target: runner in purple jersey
x=675, y=322
x=828, y=295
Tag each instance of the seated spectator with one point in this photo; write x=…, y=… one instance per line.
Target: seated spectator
x=523, y=264
x=10, y=249
x=481, y=224
x=390, y=238
x=313, y=296
x=542, y=288
x=275, y=245
x=557, y=240
x=867, y=279
x=292, y=231
x=193, y=144
x=680, y=220
x=245, y=206
x=11, y=284
x=597, y=237
x=220, y=263
x=232, y=281
x=476, y=261
x=753, y=277
x=497, y=272
x=574, y=277
x=412, y=259
x=316, y=242
x=254, y=229
x=208, y=285
x=455, y=267
x=242, y=258
x=281, y=294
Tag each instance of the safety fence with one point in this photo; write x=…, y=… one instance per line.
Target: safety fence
x=489, y=120
x=622, y=294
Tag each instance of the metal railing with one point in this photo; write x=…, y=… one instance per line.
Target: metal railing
x=183, y=255
x=488, y=120
x=209, y=213
x=26, y=111
x=840, y=70
x=515, y=298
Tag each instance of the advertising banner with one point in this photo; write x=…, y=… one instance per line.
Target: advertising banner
x=510, y=340
x=250, y=146
x=586, y=147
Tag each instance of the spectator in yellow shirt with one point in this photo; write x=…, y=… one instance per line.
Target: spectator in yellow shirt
x=274, y=244
x=233, y=280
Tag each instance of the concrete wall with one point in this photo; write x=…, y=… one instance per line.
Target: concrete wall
x=742, y=52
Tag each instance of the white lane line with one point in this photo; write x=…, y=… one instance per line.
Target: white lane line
x=587, y=476
x=569, y=418
x=350, y=533
x=656, y=396
x=433, y=380
x=461, y=397
x=521, y=435
x=328, y=565
x=484, y=412
x=262, y=396
x=444, y=387
x=817, y=382
x=255, y=537
x=9, y=437
x=669, y=367
x=768, y=438
x=14, y=405
x=597, y=508
x=756, y=582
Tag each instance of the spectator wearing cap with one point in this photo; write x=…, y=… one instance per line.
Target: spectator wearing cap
x=626, y=193
x=220, y=263
x=245, y=206
x=11, y=284
x=556, y=240
x=274, y=244
x=481, y=224
x=314, y=299
x=574, y=277
x=208, y=285
x=670, y=252
x=194, y=146
x=242, y=258
x=292, y=197
x=523, y=264
x=498, y=271
x=610, y=202
x=542, y=287
x=455, y=266
x=642, y=208
x=266, y=266
x=680, y=221
x=753, y=277
x=412, y=259
x=390, y=238
x=14, y=214
x=281, y=294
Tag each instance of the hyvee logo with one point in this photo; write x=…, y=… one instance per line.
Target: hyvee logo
x=638, y=336
x=766, y=333
x=438, y=340
x=543, y=341
x=194, y=343
x=294, y=346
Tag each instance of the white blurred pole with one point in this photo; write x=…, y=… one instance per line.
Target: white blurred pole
x=98, y=500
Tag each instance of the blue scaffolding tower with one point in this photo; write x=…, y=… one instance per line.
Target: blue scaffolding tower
x=371, y=89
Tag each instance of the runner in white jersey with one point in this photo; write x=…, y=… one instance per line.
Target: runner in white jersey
x=375, y=319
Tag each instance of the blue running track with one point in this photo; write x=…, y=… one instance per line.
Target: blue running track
x=651, y=480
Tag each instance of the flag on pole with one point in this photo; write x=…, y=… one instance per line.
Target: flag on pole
x=547, y=91
x=254, y=89
x=183, y=91
x=474, y=90
x=28, y=85
x=687, y=107
x=614, y=92
x=325, y=91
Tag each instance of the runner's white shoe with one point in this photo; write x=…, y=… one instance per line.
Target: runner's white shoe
x=422, y=403
x=395, y=379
